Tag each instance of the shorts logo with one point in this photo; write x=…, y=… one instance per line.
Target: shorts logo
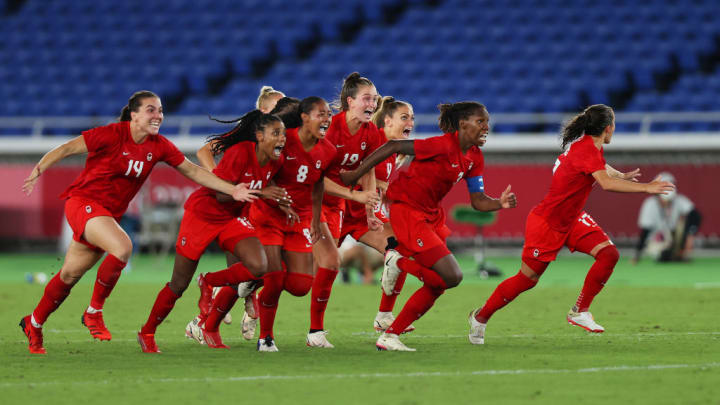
x=88, y=209
x=536, y=253
x=183, y=241
x=317, y=164
x=420, y=242
x=149, y=157
x=363, y=146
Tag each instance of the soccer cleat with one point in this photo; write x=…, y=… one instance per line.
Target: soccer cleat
x=34, y=335
x=391, y=271
x=477, y=329
x=383, y=320
x=249, y=324
x=318, y=339
x=192, y=331
x=391, y=342
x=266, y=345
x=228, y=318
x=584, y=320
x=96, y=325
x=205, y=301
x=246, y=288
x=213, y=339
x=147, y=342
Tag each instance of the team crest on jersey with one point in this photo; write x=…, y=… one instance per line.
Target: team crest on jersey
x=88, y=209
x=420, y=242
x=183, y=241
x=536, y=253
x=317, y=164
x=149, y=157
x=363, y=146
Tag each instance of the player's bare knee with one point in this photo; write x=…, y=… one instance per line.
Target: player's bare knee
x=258, y=266
x=330, y=261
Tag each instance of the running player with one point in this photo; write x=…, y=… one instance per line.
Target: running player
x=559, y=219
x=417, y=217
x=354, y=136
x=120, y=158
x=252, y=153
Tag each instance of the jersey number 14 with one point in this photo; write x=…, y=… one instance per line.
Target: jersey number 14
x=136, y=166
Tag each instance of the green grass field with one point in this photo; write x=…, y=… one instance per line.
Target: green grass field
x=662, y=344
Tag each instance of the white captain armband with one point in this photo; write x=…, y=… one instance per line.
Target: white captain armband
x=475, y=184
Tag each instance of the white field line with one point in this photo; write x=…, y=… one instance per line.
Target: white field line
x=707, y=285
x=417, y=374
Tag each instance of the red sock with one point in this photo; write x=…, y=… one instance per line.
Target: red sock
x=107, y=276
x=233, y=275
x=321, y=288
x=298, y=284
x=222, y=304
x=425, y=274
x=507, y=291
x=268, y=301
x=387, y=302
x=55, y=293
x=598, y=275
x=164, y=303
x=417, y=305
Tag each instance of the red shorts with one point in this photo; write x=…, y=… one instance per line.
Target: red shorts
x=334, y=218
x=543, y=243
x=78, y=211
x=358, y=226
x=418, y=232
x=196, y=234
x=272, y=229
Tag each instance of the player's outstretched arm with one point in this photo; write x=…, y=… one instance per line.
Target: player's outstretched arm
x=72, y=147
x=205, y=178
x=367, y=197
x=206, y=155
x=482, y=202
x=631, y=175
x=401, y=146
x=608, y=183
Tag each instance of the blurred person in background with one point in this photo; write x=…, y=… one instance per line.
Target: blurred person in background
x=120, y=159
x=668, y=225
x=360, y=257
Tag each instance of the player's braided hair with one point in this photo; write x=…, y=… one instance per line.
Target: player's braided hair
x=350, y=87
x=388, y=106
x=244, y=130
x=592, y=121
x=287, y=109
x=134, y=103
x=451, y=114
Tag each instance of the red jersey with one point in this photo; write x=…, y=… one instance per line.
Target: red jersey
x=439, y=163
x=302, y=169
x=351, y=149
x=382, y=172
x=239, y=164
x=571, y=184
x=116, y=167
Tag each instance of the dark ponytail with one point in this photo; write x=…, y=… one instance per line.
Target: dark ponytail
x=592, y=121
x=287, y=110
x=350, y=87
x=451, y=114
x=244, y=130
x=134, y=104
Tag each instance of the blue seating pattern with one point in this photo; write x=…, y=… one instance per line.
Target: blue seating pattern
x=86, y=57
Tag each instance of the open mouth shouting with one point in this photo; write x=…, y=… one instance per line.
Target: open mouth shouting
x=323, y=129
x=406, y=132
x=277, y=150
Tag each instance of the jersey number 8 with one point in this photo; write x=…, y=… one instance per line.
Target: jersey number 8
x=302, y=173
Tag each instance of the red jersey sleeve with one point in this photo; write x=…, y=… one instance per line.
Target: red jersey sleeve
x=171, y=154
x=429, y=147
x=478, y=164
x=99, y=138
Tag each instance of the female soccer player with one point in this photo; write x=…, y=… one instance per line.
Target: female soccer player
x=396, y=120
x=120, y=158
x=354, y=137
x=252, y=154
x=415, y=212
x=559, y=220
x=266, y=102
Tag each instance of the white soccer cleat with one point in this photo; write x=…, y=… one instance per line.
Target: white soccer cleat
x=192, y=331
x=246, y=288
x=383, y=320
x=477, y=329
x=584, y=320
x=318, y=339
x=266, y=345
x=391, y=271
x=391, y=342
x=249, y=325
